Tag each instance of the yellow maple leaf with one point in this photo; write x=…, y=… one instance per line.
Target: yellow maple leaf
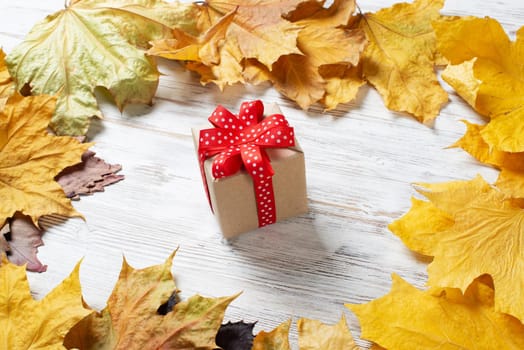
x=131, y=320
x=399, y=60
x=29, y=324
x=443, y=318
x=417, y=227
x=342, y=83
x=462, y=78
x=95, y=43
x=315, y=335
x=30, y=158
x=277, y=339
x=501, y=87
x=6, y=83
x=511, y=165
x=472, y=230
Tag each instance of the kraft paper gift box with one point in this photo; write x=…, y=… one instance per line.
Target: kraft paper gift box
x=232, y=191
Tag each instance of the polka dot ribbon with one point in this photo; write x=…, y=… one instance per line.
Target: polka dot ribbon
x=238, y=142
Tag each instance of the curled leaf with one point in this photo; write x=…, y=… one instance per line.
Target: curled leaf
x=209, y=54
x=323, y=42
x=462, y=78
x=258, y=29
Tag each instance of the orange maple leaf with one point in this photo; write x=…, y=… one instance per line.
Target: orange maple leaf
x=324, y=43
x=30, y=158
x=258, y=29
x=131, y=319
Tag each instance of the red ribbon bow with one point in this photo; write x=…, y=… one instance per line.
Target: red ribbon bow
x=239, y=142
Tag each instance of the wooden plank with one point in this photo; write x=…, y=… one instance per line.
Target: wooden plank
x=361, y=160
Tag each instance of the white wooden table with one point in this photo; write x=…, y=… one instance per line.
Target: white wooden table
x=361, y=160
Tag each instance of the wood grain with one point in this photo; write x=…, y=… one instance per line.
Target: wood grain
x=361, y=160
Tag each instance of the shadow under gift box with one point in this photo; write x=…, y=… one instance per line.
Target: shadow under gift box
x=233, y=197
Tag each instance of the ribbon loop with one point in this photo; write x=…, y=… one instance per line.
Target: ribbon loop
x=239, y=142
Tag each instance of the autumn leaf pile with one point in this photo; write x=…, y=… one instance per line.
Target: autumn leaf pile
x=472, y=230
x=35, y=170
x=311, y=53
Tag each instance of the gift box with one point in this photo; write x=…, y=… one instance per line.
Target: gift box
x=252, y=167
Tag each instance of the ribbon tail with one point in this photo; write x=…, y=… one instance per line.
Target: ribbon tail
x=201, y=160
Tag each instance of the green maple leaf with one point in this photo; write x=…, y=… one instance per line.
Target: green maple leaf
x=94, y=43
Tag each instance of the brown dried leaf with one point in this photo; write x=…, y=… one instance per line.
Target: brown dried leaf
x=89, y=176
x=23, y=241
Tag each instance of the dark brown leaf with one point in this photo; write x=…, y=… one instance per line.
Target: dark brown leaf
x=235, y=336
